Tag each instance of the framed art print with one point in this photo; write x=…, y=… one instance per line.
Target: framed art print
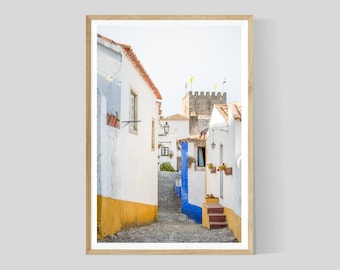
x=169, y=134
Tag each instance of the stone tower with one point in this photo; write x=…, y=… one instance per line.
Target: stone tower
x=197, y=106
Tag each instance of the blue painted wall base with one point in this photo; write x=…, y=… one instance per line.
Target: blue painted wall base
x=192, y=211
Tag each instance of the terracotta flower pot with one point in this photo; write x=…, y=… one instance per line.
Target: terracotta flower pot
x=212, y=200
x=111, y=120
x=117, y=123
x=228, y=171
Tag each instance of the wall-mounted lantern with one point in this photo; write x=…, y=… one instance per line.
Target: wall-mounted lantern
x=166, y=128
x=213, y=144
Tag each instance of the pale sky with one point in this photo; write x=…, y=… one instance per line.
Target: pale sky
x=172, y=52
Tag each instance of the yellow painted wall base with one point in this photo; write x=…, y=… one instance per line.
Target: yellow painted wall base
x=114, y=215
x=205, y=217
x=234, y=223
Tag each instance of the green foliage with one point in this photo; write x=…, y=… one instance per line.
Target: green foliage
x=166, y=166
x=211, y=166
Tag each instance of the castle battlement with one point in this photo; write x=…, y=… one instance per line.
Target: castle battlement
x=198, y=106
x=207, y=94
x=202, y=103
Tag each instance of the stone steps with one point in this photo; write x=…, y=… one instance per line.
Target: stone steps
x=216, y=216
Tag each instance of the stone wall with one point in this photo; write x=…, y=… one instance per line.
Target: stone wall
x=202, y=103
x=198, y=106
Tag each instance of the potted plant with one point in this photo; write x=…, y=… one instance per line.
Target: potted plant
x=117, y=122
x=111, y=120
x=212, y=168
x=210, y=198
x=227, y=170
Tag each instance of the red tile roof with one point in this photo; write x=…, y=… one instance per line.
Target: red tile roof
x=133, y=58
x=223, y=110
x=177, y=117
x=199, y=140
x=235, y=107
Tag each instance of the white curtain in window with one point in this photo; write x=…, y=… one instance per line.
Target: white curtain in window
x=200, y=157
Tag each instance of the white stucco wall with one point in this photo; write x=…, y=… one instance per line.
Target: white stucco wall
x=109, y=74
x=128, y=162
x=196, y=187
x=196, y=195
x=111, y=180
x=178, y=128
x=168, y=141
x=108, y=100
x=237, y=169
x=229, y=135
x=213, y=156
x=139, y=162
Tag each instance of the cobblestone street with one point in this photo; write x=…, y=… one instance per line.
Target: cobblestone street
x=172, y=225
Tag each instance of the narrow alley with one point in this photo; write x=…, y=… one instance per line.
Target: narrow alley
x=172, y=226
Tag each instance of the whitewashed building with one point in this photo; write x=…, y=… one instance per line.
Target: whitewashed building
x=223, y=145
x=127, y=187
x=192, y=179
x=169, y=146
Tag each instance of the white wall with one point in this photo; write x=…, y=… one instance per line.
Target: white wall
x=168, y=141
x=110, y=179
x=179, y=129
x=138, y=161
x=195, y=181
x=109, y=74
x=228, y=135
x=128, y=164
x=212, y=156
x=108, y=138
x=196, y=187
x=237, y=168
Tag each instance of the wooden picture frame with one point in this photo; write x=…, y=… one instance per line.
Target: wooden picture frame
x=126, y=119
